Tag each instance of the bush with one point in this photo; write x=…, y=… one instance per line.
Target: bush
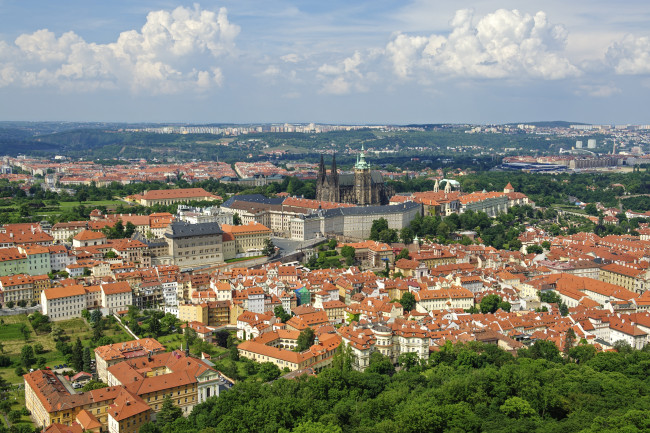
x=14, y=416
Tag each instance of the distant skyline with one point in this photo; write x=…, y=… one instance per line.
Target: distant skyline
x=360, y=62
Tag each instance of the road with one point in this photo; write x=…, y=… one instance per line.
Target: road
x=289, y=246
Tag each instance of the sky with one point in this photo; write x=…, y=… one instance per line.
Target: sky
x=335, y=61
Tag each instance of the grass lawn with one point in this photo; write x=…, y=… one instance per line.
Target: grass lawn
x=569, y=208
x=10, y=332
x=67, y=205
x=72, y=329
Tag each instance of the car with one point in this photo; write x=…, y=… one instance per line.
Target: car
x=64, y=366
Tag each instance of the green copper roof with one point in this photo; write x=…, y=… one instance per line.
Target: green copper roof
x=361, y=161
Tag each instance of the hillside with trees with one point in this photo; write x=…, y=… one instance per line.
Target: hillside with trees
x=462, y=388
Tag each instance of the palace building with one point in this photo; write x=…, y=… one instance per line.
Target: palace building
x=363, y=187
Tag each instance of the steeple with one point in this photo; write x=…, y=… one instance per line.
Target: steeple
x=334, y=182
x=361, y=160
x=321, y=168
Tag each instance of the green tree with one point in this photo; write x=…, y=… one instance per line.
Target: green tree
x=534, y=249
x=38, y=348
x=27, y=358
x=349, y=253
x=504, y=306
x=77, y=355
x=14, y=416
x=129, y=229
x=490, y=304
x=406, y=235
x=343, y=358
x=85, y=359
x=380, y=364
x=93, y=384
x=404, y=254
x=544, y=349
x=564, y=309
x=591, y=209
x=582, y=353
x=407, y=301
x=268, y=371
x=169, y=412
x=313, y=427
x=305, y=339
x=155, y=327
x=236, y=219
x=332, y=243
x=377, y=227
x=190, y=336
x=96, y=315
x=408, y=360
x=569, y=341
x=269, y=247
x=24, y=330
x=233, y=353
x=281, y=314
x=517, y=407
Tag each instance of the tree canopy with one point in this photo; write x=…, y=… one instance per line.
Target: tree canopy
x=464, y=387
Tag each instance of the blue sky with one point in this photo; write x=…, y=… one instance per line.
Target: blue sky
x=380, y=61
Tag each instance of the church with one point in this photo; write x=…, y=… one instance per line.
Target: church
x=363, y=187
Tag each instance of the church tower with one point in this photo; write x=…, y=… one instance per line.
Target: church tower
x=335, y=192
x=362, y=180
x=321, y=180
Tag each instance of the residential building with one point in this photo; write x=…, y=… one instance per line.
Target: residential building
x=111, y=354
x=62, y=303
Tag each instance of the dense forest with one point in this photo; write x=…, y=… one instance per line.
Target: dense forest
x=462, y=388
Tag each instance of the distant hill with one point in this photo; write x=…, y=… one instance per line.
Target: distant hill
x=550, y=124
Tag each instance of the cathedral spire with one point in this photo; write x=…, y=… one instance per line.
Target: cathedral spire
x=321, y=168
x=335, y=194
x=361, y=160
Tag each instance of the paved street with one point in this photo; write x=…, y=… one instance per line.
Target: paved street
x=288, y=246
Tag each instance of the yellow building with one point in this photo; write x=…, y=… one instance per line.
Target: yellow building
x=171, y=196
x=49, y=402
x=193, y=313
x=630, y=278
x=248, y=238
x=143, y=382
x=41, y=282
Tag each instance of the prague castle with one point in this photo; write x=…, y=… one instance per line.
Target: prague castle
x=363, y=187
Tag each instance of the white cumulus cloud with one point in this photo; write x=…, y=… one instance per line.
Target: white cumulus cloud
x=347, y=75
x=173, y=51
x=630, y=56
x=503, y=44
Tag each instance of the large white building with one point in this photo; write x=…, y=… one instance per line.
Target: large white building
x=62, y=303
x=353, y=222
x=116, y=296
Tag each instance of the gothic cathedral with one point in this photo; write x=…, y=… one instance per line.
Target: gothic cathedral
x=363, y=187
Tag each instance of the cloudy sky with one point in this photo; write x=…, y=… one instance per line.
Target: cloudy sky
x=359, y=61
